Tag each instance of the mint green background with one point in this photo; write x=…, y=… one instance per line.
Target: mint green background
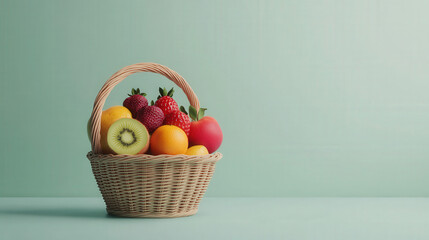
x=315, y=98
x=222, y=218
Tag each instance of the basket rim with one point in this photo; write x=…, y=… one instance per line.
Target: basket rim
x=147, y=158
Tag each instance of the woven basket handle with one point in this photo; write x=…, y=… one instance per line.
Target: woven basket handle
x=121, y=75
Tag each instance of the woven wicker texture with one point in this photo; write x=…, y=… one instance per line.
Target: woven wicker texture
x=146, y=185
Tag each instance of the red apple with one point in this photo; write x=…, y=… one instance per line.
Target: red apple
x=207, y=132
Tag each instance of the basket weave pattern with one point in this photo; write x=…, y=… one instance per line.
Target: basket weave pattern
x=146, y=185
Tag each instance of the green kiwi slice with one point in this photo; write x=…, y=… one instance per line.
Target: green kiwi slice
x=128, y=136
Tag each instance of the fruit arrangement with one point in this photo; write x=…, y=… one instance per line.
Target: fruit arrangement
x=159, y=128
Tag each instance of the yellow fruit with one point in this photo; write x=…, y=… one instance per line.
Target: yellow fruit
x=168, y=139
x=108, y=117
x=197, y=150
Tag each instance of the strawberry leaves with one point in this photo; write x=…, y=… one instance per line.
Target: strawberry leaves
x=163, y=92
x=183, y=110
x=137, y=92
x=170, y=93
x=194, y=115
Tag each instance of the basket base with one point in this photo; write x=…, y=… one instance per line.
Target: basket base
x=151, y=215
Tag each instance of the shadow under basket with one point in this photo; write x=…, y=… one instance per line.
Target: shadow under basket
x=152, y=186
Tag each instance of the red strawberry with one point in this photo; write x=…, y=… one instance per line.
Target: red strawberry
x=166, y=102
x=135, y=101
x=178, y=119
x=151, y=116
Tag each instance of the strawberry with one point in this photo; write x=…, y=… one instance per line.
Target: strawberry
x=179, y=119
x=151, y=116
x=135, y=101
x=166, y=102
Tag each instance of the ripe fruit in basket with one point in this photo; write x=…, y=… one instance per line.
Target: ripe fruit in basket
x=179, y=119
x=204, y=130
x=135, y=101
x=166, y=102
x=197, y=150
x=128, y=136
x=151, y=116
x=168, y=139
x=108, y=117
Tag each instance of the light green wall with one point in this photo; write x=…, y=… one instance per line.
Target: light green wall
x=315, y=98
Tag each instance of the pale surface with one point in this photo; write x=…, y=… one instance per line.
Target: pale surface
x=222, y=218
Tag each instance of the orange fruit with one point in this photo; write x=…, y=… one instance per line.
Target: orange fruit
x=197, y=150
x=168, y=139
x=108, y=117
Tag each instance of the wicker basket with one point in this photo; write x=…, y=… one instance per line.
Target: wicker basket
x=146, y=185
